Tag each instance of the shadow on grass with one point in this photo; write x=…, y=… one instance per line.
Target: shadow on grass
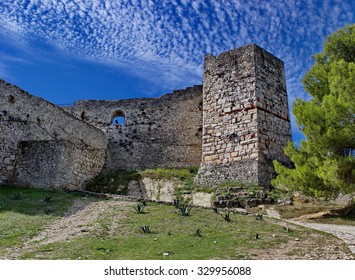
x=35, y=201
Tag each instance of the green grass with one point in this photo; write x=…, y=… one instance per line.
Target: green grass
x=24, y=212
x=117, y=182
x=171, y=233
x=182, y=174
x=116, y=233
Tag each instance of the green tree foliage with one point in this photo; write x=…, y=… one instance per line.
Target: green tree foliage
x=324, y=164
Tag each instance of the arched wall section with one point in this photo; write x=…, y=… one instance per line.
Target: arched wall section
x=157, y=132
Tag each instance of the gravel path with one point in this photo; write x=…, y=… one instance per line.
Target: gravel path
x=345, y=233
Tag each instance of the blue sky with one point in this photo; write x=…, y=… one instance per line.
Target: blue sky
x=65, y=50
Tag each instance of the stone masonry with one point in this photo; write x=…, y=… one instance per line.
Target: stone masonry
x=232, y=126
x=245, y=116
x=43, y=146
x=157, y=132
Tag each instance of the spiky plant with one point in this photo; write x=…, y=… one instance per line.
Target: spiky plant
x=184, y=210
x=145, y=229
x=139, y=208
x=198, y=233
x=287, y=229
x=47, y=199
x=259, y=217
x=226, y=216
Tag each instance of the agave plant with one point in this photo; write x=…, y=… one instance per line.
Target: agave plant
x=139, y=208
x=47, y=199
x=287, y=229
x=260, y=217
x=226, y=216
x=184, y=210
x=198, y=233
x=145, y=229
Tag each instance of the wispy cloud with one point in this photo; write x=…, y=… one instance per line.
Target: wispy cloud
x=168, y=39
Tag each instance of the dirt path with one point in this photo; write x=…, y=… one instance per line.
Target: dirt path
x=78, y=221
x=345, y=233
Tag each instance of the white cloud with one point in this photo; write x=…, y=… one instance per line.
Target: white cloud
x=169, y=38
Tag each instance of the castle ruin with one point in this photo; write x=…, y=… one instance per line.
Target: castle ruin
x=232, y=126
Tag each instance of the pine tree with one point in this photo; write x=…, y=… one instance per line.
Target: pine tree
x=324, y=164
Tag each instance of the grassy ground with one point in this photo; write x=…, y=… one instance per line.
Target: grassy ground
x=25, y=212
x=117, y=182
x=115, y=233
x=174, y=234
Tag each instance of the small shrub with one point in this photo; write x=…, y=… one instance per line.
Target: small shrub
x=47, y=199
x=287, y=229
x=198, y=233
x=257, y=236
x=215, y=209
x=139, y=208
x=145, y=229
x=184, y=210
x=105, y=250
x=17, y=196
x=226, y=216
x=259, y=217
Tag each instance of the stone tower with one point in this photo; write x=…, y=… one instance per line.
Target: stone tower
x=246, y=120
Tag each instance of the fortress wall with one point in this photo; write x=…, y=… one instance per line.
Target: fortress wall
x=158, y=132
x=58, y=164
x=37, y=138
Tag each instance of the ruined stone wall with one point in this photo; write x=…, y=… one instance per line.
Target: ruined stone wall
x=245, y=116
x=157, y=132
x=42, y=145
x=58, y=164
